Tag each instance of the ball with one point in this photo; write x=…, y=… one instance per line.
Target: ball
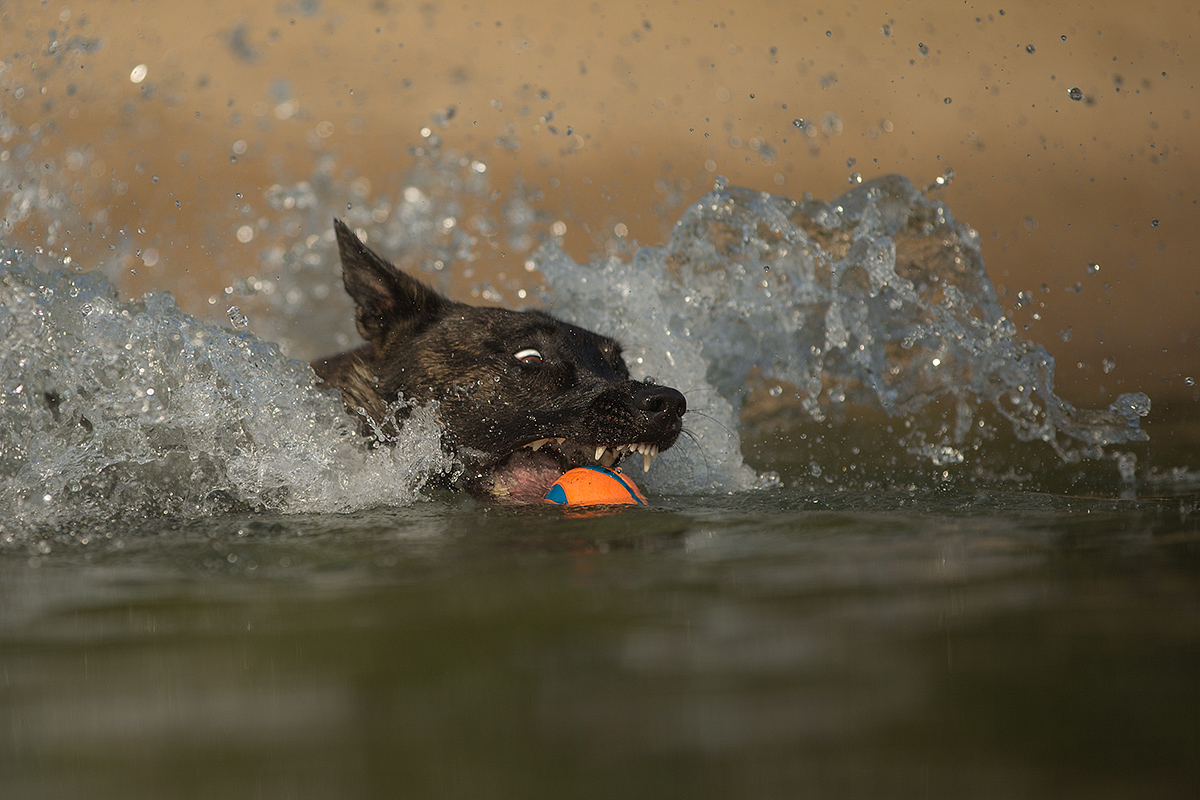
x=595, y=486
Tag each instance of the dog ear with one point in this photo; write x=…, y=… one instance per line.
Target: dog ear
x=385, y=295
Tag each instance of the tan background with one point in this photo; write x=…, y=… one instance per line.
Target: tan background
x=660, y=98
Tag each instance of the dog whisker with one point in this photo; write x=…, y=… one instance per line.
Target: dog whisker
x=714, y=420
x=699, y=449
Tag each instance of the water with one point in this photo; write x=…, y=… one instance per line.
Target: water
x=888, y=560
x=773, y=644
x=876, y=301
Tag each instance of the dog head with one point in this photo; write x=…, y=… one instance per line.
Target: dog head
x=523, y=396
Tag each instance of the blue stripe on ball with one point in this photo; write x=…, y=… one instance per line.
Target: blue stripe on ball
x=557, y=495
x=615, y=476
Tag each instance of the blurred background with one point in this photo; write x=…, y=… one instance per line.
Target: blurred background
x=147, y=138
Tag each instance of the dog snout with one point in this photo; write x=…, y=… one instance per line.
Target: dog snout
x=663, y=405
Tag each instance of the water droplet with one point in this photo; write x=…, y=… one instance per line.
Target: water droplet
x=1093, y=268
x=238, y=195
x=855, y=177
x=1063, y=37
x=236, y=318
x=948, y=100
x=1030, y=49
x=798, y=123
x=775, y=391
x=1127, y=467
x=1075, y=93
x=886, y=30
x=923, y=48
x=849, y=162
x=1108, y=365
x=1190, y=381
x=1065, y=334
x=1153, y=223
x=943, y=179
x=233, y=159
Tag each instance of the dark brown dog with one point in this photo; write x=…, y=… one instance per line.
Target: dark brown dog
x=523, y=396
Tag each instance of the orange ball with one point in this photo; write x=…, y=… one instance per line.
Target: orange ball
x=595, y=486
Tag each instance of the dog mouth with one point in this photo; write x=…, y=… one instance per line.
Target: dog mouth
x=527, y=473
x=574, y=454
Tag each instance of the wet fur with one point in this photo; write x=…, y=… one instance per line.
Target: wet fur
x=425, y=347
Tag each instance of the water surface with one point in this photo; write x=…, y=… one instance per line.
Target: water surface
x=775, y=644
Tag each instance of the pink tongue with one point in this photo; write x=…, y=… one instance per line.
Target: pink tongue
x=526, y=477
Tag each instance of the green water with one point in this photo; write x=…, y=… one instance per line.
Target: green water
x=781, y=644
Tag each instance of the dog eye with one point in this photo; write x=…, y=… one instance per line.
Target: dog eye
x=528, y=356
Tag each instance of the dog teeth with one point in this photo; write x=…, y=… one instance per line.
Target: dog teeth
x=535, y=446
x=649, y=453
x=607, y=455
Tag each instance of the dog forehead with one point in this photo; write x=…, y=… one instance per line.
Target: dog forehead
x=503, y=328
x=480, y=325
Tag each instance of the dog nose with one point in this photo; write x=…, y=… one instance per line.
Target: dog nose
x=663, y=405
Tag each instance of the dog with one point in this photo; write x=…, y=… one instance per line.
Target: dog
x=522, y=396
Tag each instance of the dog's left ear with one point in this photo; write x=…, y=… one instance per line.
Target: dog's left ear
x=385, y=295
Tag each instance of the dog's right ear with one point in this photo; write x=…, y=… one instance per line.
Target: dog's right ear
x=385, y=296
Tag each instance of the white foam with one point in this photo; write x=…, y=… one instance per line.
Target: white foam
x=111, y=409
x=879, y=298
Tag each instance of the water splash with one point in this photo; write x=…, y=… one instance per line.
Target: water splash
x=113, y=410
x=878, y=300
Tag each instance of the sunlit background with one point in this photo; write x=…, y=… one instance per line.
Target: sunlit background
x=1064, y=132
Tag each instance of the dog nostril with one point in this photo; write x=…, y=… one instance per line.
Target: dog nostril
x=663, y=404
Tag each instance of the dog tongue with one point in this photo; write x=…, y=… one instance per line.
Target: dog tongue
x=524, y=476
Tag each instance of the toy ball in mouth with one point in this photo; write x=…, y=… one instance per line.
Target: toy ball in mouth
x=595, y=486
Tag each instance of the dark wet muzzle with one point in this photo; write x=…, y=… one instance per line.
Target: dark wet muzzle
x=663, y=405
